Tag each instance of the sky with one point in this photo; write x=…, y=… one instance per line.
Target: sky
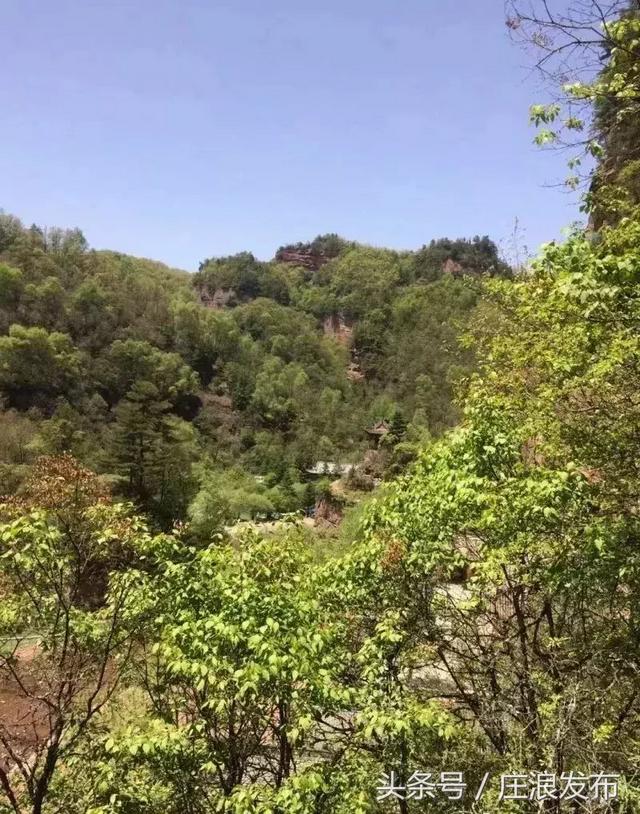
x=185, y=129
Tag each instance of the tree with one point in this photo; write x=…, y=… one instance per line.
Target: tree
x=11, y=285
x=243, y=277
x=17, y=432
x=278, y=391
x=10, y=230
x=44, y=303
x=397, y=428
x=153, y=452
x=518, y=530
x=224, y=497
x=476, y=256
x=238, y=670
x=205, y=339
x=590, y=57
x=362, y=277
x=37, y=365
x=63, y=620
x=128, y=362
x=91, y=319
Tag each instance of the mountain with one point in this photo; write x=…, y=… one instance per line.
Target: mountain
x=156, y=378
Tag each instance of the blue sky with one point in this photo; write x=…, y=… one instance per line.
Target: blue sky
x=183, y=129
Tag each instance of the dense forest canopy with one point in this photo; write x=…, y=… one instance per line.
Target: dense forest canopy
x=476, y=617
x=138, y=371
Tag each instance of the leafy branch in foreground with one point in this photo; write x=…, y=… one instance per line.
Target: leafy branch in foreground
x=589, y=55
x=65, y=637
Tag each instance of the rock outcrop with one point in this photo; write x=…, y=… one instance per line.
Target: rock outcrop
x=306, y=259
x=220, y=298
x=339, y=328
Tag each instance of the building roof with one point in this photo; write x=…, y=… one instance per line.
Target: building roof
x=379, y=428
x=329, y=468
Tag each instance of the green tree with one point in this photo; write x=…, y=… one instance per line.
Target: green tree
x=37, y=365
x=11, y=285
x=153, y=452
x=63, y=619
x=130, y=361
x=278, y=392
x=241, y=670
x=594, y=113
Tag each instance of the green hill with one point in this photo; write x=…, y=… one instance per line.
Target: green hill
x=158, y=378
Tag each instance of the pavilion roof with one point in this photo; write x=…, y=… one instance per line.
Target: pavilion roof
x=379, y=428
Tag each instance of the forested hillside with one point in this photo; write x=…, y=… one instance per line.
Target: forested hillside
x=161, y=380
x=472, y=647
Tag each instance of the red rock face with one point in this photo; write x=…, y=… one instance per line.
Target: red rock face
x=304, y=259
x=336, y=325
x=451, y=267
x=218, y=300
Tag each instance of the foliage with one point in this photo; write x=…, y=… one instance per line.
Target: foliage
x=484, y=613
x=63, y=549
x=238, y=675
x=225, y=496
x=123, y=363
x=476, y=256
x=33, y=361
x=479, y=612
x=590, y=54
